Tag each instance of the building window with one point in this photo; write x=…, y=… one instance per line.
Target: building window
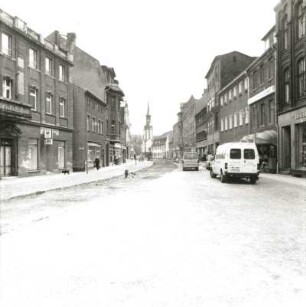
x=33, y=154
x=235, y=120
x=262, y=74
x=271, y=112
x=287, y=86
x=255, y=80
x=88, y=123
x=48, y=66
x=93, y=125
x=225, y=124
x=247, y=116
x=230, y=95
x=62, y=107
x=7, y=88
x=33, y=58
x=235, y=91
x=270, y=68
x=222, y=125
x=230, y=122
x=240, y=117
x=101, y=127
x=6, y=44
x=61, y=73
x=262, y=114
x=246, y=84
x=301, y=26
x=33, y=98
x=240, y=87
x=49, y=103
x=285, y=33
x=225, y=98
x=113, y=127
x=301, y=77
x=221, y=101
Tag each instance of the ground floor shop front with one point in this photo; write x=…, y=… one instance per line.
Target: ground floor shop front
x=292, y=141
x=36, y=150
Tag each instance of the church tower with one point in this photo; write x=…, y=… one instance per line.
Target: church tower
x=147, y=134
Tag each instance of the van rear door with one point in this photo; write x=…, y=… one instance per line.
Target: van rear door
x=235, y=164
x=249, y=160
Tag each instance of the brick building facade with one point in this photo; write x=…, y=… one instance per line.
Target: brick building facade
x=291, y=85
x=36, y=95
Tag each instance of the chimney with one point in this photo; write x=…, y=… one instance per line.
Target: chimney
x=71, y=38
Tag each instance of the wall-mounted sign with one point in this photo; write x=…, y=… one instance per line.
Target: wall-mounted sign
x=48, y=134
x=48, y=141
x=300, y=117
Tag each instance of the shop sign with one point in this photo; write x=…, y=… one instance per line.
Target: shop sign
x=48, y=141
x=300, y=117
x=261, y=95
x=48, y=134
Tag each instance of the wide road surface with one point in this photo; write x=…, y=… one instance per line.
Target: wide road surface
x=163, y=237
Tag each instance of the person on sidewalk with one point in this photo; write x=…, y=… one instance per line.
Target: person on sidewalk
x=135, y=158
x=97, y=163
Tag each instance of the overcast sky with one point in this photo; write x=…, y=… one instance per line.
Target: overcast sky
x=160, y=49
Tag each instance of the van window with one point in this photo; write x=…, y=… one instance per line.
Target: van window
x=249, y=154
x=235, y=153
x=190, y=155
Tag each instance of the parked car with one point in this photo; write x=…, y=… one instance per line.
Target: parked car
x=190, y=161
x=236, y=160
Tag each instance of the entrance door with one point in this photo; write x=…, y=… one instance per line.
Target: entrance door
x=286, y=147
x=6, y=158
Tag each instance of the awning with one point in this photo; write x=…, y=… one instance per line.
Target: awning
x=265, y=137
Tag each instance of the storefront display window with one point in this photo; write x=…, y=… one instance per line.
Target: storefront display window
x=33, y=154
x=301, y=139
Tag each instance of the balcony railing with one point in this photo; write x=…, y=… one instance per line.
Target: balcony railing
x=13, y=108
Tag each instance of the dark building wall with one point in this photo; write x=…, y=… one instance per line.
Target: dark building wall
x=18, y=68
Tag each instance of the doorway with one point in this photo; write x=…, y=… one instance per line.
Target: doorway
x=6, y=157
x=286, y=147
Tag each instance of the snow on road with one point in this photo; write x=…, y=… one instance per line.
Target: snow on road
x=180, y=240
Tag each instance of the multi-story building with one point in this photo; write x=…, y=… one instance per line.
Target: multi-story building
x=291, y=85
x=201, y=123
x=97, y=107
x=36, y=97
x=263, y=127
x=223, y=69
x=161, y=146
x=177, y=143
x=234, y=113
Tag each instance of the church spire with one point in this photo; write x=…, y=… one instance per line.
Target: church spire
x=148, y=112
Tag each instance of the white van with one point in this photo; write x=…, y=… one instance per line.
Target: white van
x=236, y=160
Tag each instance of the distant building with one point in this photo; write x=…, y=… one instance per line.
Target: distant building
x=201, y=122
x=161, y=146
x=147, y=140
x=35, y=97
x=291, y=85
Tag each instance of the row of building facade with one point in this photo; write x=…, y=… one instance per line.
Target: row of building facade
x=59, y=107
x=259, y=99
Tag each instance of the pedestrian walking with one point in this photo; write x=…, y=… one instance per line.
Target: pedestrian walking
x=97, y=163
x=135, y=158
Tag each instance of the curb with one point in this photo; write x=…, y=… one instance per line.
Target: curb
x=10, y=198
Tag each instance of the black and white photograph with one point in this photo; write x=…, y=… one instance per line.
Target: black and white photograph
x=153, y=153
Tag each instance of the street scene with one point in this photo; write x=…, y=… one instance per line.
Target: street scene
x=153, y=153
x=158, y=242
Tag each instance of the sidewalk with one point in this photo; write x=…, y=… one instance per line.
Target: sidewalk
x=285, y=178
x=12, y=187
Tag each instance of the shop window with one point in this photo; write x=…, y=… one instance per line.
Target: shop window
x=61, y=154
x=33, y=154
